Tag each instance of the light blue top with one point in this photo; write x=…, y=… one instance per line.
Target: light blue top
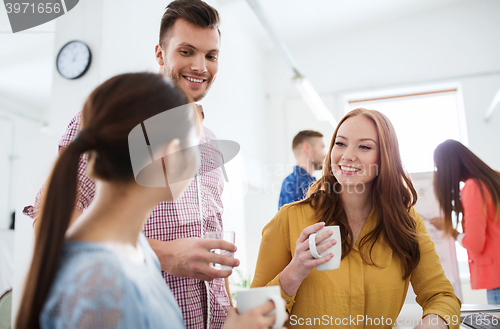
x=96, y=287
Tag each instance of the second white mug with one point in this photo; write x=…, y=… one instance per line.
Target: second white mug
x=248, y=299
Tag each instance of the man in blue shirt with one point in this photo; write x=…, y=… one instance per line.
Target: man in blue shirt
x=308, y=148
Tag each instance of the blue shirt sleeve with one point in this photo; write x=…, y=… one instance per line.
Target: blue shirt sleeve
x=295, y=186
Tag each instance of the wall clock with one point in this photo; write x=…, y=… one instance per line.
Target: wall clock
x=73, y=59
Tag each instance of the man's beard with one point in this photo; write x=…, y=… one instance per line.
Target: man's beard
x=200, y=97
x=176, y=79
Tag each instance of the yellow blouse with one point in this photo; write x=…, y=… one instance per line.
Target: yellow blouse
x=356, y=295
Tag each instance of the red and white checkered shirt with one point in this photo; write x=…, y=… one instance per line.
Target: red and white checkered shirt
x=198, y=210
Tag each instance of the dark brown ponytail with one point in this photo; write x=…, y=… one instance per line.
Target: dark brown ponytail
x=109, y=114
x=56, y=215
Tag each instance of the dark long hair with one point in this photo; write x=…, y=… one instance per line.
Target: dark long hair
x=109, y=114
x=455, y=163
x=393, y=196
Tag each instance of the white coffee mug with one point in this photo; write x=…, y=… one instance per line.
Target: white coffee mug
x=248, y=299
x=333, y=263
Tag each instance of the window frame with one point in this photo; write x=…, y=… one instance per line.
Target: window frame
x=372, y=95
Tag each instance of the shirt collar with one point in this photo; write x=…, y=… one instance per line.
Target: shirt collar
x=200, y=111
x=299, y=171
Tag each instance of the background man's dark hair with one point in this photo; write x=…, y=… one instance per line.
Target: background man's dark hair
x=303, y=136
x=196, y=12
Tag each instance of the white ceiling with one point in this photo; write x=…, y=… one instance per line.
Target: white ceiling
x=297, y=21
x=27, y=58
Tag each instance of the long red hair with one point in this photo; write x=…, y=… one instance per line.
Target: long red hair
x=393, y=195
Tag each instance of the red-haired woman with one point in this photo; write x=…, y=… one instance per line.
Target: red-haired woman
x=478, y=208
x=385, y=246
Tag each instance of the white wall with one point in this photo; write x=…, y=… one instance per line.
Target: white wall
x=6, y=138
x=235, y=110
x=33, y=157
x=24, y=97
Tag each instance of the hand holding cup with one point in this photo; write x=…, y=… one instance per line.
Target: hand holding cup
x=263, y=306
x=228, y=236
x=336, y=249
x=303, y=261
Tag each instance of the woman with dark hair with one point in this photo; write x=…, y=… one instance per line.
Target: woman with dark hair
x=476, y=206
x=385, y=246
x=139, y=130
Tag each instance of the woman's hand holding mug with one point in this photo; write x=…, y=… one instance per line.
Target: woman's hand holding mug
x=303, y=261
x=260, y=307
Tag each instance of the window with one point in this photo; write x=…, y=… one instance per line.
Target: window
x=422, y=118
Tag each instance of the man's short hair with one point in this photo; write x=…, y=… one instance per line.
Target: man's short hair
x=303, y=136
x=196, y=12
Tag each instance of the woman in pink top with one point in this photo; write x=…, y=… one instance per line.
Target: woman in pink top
x=477, y=206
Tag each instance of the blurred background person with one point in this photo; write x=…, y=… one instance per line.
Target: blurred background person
x=477, y=208
x=309, y=151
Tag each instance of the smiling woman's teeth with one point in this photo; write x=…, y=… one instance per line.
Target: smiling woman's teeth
x=194, y=80
x=349, y=169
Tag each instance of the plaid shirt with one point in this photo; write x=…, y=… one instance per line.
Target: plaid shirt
x=198, y=210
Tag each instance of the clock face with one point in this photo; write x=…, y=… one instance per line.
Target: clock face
x=73, y=59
